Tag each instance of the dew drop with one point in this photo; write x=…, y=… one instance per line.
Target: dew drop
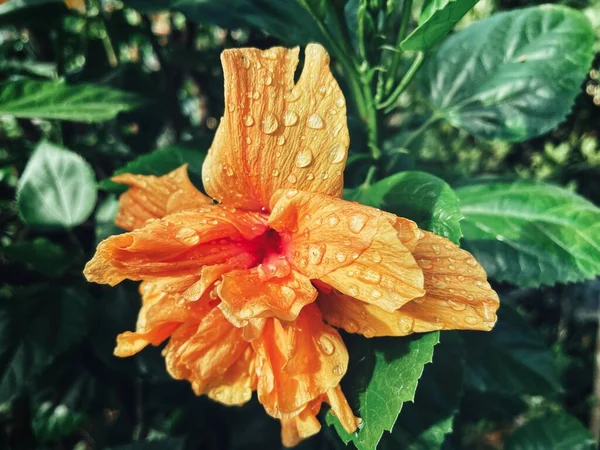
x=340, y=102
x=291, y=193
x=375, y=294
x=280, y=140
x=376, y=257
x=269, y=123
x=290, y=118
x=304, y=158
x=248, y=120
x=275, y=173
x=340, y=257
x=471, y=262
x=310, y=177
x=248, y=141
x=456, y=306
x=471, y=320
x=436, y=249
x=324, y=175
x=337, y=129
x=336, y=154
x=368, y=332
x=315, y=122
x=333, y=220
x=187, y=236
x=231, y=107
x=316, y=253
x=352, y=290
x=245, y=62
x=293, y=95
x=351, y=326
x=357, y=222
x=337, y=370
x=268, y=80
x=292, y=178
x=326, y=345
x=370, y=276
x=288, y=293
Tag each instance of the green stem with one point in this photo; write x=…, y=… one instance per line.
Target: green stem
x=111, y=54
x=369, y=178
x=396, y=58
x=419, y=131
x=412, y=71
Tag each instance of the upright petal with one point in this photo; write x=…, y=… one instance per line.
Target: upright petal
x=151, y=197
x=457, y=296
x=298, y=362
x=277, y=134
x=177, y=245
x=213, y=356
x=357, y=249
x=246, y=295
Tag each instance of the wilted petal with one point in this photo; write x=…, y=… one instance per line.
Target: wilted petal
x=150, y=197
x=275, y=134
x=177, y=245
x=246, y=295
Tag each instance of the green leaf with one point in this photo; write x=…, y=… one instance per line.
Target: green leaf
x=57, y=188
x=511, y=359
x=531, y=233
x=382, y=375
x=41, y=69
x=419, y=196
x=556, y=432
x=155, y=444
x=58, y=100
x=423, y=425
x=53, y=422
x=160, y=162
x=42, y=254
x=513, y=75
x=36, y=325
x=437, y=19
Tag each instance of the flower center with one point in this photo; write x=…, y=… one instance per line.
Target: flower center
x=273, y=262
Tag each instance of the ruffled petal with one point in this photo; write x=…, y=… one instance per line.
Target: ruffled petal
x=161, y=314
x=301, y=426
x=457, y=296
x=214, y=357
x=177, y=245
x=357, y=249
x=298, y=362
x=150, y=197
x=275, y=134
x=245, y=295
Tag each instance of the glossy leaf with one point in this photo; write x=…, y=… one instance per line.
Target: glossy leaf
x=160, y=162
x=57, y=188
x=437, y=19
x=511, y=359
x=530, y=233
x=513, y=75
x=41, y=254
x=382, y=375
x=556, y=432
x=58, y=100
x=423, y=425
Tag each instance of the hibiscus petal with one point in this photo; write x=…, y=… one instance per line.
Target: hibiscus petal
x=177, y=245
x=246, y=295
x=213, y=356
x=151, y=197
x=298, y=362
x=161, y=314
x=301, y=426
x=357, y=249
x=275, y=134
x=457, y=296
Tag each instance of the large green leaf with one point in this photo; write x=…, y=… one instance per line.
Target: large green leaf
x=57, y=188
x=531, y=233
x=160, y=162
x=382, y=375
x=36, y=325
x=511, y=359
x=41, y=254
x=513, y=75
x=437, y=19
x=556, y=432
x=423, y=425
x=58, y=100
x=422, y=197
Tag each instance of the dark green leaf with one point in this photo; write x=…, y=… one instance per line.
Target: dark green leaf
x=513, y=75
x=437, y=19
x=41, y=69
x=52, y=422
x=512, y=359
x=423, y=425
x=57, y=188
x=556, y=432
x=156, y=444
x=18, y=5
x=382, y=375
x=42, y=254
x=36, y=325
x=531, y=233
x=160, y=162
x=58, y=100
x=105, y=219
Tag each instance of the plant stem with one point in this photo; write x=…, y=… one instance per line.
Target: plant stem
x=369, y=178
x=434, y=118
x=406, y=10
x=414, y=68
x=111, y=55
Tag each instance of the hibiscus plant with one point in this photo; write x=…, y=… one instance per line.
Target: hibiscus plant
x=307, y=223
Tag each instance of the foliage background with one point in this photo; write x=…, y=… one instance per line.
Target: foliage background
x=90, y=88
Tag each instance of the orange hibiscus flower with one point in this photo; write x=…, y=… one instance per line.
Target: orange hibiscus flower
x=248, y=291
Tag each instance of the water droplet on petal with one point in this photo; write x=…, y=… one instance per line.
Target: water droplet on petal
x=291, y=193
x=336, y=154
x=280, y=140
x=315, y=122
x=357, y=222
x=288, y=293
x=370, y=276
x=471, y=320
x=368, y=332
x=304, y=158
x=316, y=253
x=375, y=256
x=290, y=118
x=245, y=62
x=471, y=262
x=337, y=370
x=248, y=141
x=333, y=220
x=351, y=326
x=248, y=120
x=340, y=102
x=269, y=123
x=292, y=178
x=352, y=290
x=310, y=177
x=456, y=306
x=376, y=294
x=231, y=107
x=268, y=80
x=187, y=236
x=436, y=249
x=340, y=257
x=275, y=173
x=326, y=345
